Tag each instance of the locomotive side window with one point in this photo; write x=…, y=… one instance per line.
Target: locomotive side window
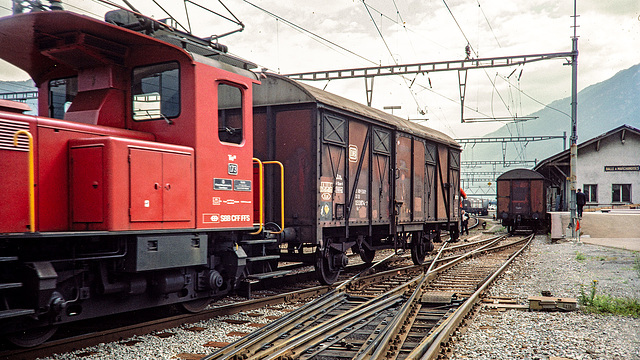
x=156, y=92
x=61, y=94
x=229, y=114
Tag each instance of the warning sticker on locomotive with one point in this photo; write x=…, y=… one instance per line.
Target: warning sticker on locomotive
x=223, y=184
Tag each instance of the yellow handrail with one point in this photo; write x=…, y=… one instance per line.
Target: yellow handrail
x=281, y=193
x=32, y=195
x=261, y=190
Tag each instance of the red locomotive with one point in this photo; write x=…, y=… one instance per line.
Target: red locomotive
x=147, y=179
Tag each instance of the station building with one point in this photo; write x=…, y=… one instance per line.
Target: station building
x=608, y=172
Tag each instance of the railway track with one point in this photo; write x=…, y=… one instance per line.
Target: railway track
x=407, y=313
x=297, y=290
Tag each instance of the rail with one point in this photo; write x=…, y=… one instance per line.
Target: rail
x=430, y=347
x=32, y=195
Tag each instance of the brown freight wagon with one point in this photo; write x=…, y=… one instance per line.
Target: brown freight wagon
x=355, y=177
x=522, y=200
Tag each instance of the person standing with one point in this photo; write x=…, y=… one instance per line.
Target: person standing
x=581, y=199
x=465, y=223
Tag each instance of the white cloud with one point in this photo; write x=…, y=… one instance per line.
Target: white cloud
x=425, y=31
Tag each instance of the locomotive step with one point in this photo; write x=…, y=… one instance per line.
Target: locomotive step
x=263, y=258
x=5, y=314
x=268, y=275
x=258, y=242
x=5, y=286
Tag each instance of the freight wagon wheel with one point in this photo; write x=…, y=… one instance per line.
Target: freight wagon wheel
x=420, y=246
x=32, y=337
x=367, y=255
x=326, y=266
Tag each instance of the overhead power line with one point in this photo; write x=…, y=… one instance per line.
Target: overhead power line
x=289, y=23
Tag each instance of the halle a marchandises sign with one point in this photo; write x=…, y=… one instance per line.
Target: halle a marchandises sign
x=622, y=168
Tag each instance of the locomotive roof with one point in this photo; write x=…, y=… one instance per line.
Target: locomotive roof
x=278, y=89
x=517, y=174
x=38, y=42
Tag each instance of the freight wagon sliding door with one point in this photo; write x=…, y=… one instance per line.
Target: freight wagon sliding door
x=403, y=178
x=380, y=165
x=443, y=189
x=332, y=176
x=358, y=163
x=454, y=181
x=431, y=180
x=419, y=168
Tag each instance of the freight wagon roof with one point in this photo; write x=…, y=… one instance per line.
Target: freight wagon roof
x=278, y=89
x=518, y=174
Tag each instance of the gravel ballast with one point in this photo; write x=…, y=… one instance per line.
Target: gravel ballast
x=561, y=268
x=510, y=334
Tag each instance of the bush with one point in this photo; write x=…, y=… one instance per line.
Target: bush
x=605, y=304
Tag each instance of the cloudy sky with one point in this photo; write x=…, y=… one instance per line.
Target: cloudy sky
x=299, y=36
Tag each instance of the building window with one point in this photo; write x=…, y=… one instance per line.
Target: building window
x=230, y=114
x=156, y=92
x=621, y=193
x=592, y=192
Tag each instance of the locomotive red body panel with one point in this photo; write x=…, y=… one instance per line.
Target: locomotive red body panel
x=158, y=178
x=51, y=139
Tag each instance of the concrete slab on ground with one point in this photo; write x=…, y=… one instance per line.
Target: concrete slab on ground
x=612, y=229
x=601, y=224
x=631, y=244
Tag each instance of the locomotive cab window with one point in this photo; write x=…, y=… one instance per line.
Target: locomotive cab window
x=156, y=92
x=61, y=94
x=230, y=114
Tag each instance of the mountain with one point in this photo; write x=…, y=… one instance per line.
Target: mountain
x=601, y=107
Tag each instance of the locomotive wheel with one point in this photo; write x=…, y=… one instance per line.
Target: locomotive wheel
x=420, y=246
x=32, y=337
x=195, y=306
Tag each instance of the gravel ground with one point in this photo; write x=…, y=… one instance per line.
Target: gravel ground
x=512, y=334
x=554, y=267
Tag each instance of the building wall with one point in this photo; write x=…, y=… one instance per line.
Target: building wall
x=612, y=152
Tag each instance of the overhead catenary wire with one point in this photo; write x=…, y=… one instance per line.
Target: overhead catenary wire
x=300, y=28
x=415, y=99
